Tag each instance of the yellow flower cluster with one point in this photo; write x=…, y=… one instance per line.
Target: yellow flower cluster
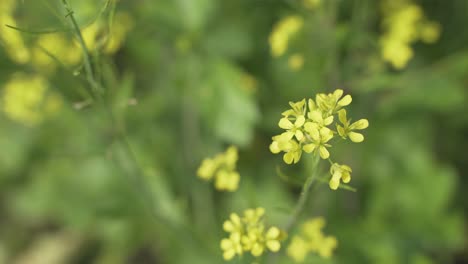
x=282, y=32
x=249, y=234
x=404, y=23
x=99, y=36
x=309, y=129
x=11, y=39
x=26, y=99
x=311, y=240
x=223, y=168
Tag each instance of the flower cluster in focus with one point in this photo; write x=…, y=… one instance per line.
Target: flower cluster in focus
x=249, y=234
x=310, y=127
x=311, y=240
x=223, y=168
x=404, y=23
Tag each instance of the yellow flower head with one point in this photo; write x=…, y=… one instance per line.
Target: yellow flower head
x=348, y=130
x=282, y=32
x=404, y=23
x=249, y=234
x=26, y=99
x=223, y=168
x=339, y=173
x=310, y=128
x=311, y=240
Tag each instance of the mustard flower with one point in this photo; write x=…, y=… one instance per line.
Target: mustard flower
x=292, y=129
x=249, y=234
x=319, y=137
x=311, y=127
x=311, y=240
x=339, y=173
x=27, y=99
x=282, y=32
x=222, y=168
x=297, y=109
x=404, y=23
x=347, y=130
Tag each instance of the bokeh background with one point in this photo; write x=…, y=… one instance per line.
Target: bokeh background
x=187, y=78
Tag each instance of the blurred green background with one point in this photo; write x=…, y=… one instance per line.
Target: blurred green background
x=187, y=78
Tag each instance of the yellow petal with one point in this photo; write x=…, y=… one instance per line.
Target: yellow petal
x=356, y=137
x=328, y=120
x=273, y=245
x=299, y=121
x=274, y=148
x=288, y=158
x=324, y=154
x=345, y=101
x=360, y=124
x=284, y=123
x=309, y=148
x=334, y=184
x=338, y=93
x=299, y=135
x=342, y=116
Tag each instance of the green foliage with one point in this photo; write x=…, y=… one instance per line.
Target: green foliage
x=186, y=79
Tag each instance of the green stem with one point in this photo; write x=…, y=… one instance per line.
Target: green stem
x=303, y=196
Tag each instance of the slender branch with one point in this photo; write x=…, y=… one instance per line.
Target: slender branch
x=303, y=196
x=86, y=55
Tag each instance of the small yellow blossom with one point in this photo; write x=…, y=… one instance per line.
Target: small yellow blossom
x=100, y=36
x=249, y=234
x=26, y=99
x=339, y=173
x=404, y=23
x=222, y=168
x=319, y=140
x=296, y=61
x=311, y=240
x=348, y=130
x=282, y=32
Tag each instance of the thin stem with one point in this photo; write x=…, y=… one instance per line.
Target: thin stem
x=86, y=54
x=303, y=197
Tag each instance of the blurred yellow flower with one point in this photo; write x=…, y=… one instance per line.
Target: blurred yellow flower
x=26, y=99
x=11, y=39
x=282, y=32
x=249, y=234
x=311, y=240
x=223, y=168
x=296, y=61
x=58, y=46
x=100, y=36
x=404, y=23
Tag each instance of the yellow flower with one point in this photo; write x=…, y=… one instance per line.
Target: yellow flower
x=404, y=23
x=319, y=140
x=296, y=61
x=332, y=102
x=347, y=130
x=311, y=240
x=227, y=181
x=26, y=99
x=282, y=32
x=247, y=234
x=298, y=249
x=223, y=168
x=292, y=129
x=297, y=109
x=339, y=173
